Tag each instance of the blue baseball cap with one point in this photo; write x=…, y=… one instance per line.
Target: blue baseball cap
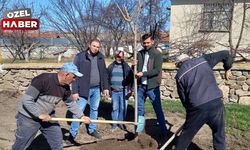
x=71, y=68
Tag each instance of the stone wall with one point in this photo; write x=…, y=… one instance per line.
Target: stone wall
x=235, y=91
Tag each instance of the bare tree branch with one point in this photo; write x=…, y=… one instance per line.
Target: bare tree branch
x=21, y=43
x=78, y=22
x=242, y=25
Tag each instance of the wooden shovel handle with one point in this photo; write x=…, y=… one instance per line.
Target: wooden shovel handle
x=93, y=121
x=171, y=138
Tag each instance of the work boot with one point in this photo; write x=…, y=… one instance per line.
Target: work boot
x=96, y=135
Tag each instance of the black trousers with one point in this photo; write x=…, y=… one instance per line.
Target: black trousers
x=210, y=113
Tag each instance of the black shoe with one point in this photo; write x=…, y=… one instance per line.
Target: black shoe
x=165, y=134
x=71, y=141
x=96, y=135
x=122, y=127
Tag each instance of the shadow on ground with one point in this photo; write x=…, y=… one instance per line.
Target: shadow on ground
x=153, y=130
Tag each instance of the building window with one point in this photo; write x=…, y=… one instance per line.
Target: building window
x=216, y=17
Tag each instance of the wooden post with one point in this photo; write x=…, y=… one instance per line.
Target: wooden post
x=132, y=20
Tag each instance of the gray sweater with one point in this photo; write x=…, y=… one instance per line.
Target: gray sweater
x=42, y=96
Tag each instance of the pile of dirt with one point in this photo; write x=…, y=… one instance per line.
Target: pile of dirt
x=142, y=142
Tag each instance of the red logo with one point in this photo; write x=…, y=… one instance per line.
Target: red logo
x=19, y=24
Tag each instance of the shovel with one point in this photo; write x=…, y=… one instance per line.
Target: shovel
x=94, y=121
x=171, y=138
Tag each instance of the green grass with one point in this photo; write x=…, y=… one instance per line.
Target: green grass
x=237, y=116
x=238, y=120
x=167, y=106
x=173, y=107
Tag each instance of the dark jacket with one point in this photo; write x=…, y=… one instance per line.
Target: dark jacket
x=196, y=84
x=128, y=75
x=82, y=85
x=154, y=67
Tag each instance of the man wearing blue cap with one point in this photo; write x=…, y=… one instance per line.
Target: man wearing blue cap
x=37, y=106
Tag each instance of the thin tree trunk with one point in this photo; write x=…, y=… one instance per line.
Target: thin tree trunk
x=135, y=79
x=242, y=26
x=230, y=31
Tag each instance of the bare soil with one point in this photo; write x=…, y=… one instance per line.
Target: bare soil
x=150, y=139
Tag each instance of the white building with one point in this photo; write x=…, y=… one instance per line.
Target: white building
x=193, y=20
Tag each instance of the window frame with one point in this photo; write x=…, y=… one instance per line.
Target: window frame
x=216, y=17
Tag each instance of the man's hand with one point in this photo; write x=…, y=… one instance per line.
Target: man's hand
x=139, y=74
x=130, y=93
x=75, y=96
x=133, y=61
x=105, y=93
x=44, y=117
x=228, y=75
x=86, y=119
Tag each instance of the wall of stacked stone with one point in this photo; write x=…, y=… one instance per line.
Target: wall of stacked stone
x=236, y=90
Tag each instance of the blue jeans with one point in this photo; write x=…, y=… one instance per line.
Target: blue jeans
x=27, y=129
x=119, y=104
x=155, y=99
x=94, y=101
